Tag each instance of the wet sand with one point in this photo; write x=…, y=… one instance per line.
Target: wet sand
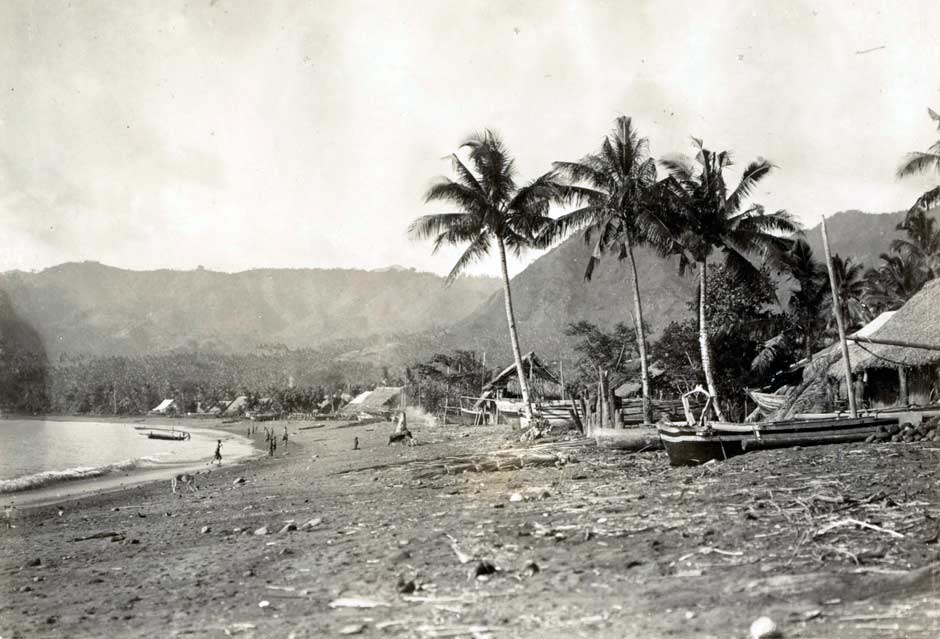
x=613, y=545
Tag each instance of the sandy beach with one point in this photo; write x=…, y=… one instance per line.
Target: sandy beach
x=607, y=544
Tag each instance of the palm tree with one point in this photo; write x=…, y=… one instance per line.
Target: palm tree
x=806, y=303
x=850, y=285
x=919, y=162
x=614, y=186
x=897, y=280
x=922, y=242
x=704, y=216
x=492, y=209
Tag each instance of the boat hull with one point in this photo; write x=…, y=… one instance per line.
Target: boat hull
x=176, y=437
x=687, y=446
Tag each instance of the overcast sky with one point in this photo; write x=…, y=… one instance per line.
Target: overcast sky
x=266, y=134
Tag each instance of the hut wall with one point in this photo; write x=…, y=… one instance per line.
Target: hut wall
x=922, y=384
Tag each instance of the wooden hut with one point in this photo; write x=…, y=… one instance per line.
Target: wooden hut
x=896, y=356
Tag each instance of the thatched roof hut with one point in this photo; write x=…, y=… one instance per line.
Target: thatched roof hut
x=917, y=322
x=892, y=375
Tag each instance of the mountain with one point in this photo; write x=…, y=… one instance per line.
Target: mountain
x=392, y=316
x=861, y=235
x=552, y=292
x=96, y=309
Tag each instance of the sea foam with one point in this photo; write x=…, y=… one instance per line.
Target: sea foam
x=48, y=477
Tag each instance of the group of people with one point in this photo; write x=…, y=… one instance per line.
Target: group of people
x=270, y=437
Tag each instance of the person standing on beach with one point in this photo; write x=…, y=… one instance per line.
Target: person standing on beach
x=218, y=452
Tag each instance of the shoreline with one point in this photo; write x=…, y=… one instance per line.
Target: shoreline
x=117, y=480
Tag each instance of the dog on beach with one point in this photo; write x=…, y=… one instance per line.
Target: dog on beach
x=401, y=437
x=186, y=480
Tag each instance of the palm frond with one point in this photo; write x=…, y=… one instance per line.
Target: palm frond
x=467, y=198
x=927, y=201
x=582, y=171
x=430, y=225
x=754, y=173
x=916, y=163
x=478, y=249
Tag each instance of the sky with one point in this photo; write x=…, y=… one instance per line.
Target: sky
x=237, y=135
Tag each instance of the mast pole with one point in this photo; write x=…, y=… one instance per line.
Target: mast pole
x=837, y=309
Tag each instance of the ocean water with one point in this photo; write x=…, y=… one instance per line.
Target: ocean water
x=37, y=452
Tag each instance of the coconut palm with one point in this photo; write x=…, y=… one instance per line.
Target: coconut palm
x=922, y=242
x=919, y=162
x=851, y=289
x=492, y=209
x=807, y=302
x=613, y=188
x=894, y=282
x=705, y=215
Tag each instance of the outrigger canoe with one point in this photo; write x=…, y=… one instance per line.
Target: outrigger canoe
x=688, y=445
x=700, y=440
x=174, y=436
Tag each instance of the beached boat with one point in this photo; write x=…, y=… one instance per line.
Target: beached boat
x=696, y=444
x=173, y=436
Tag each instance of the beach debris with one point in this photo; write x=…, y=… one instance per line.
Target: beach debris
x=484, y=569
x=204, y=530
x=462, y=557
x=261, y=531
x=313, y=523
x=357, y=602
x=238, y=628
x=516, y=497
x=855, y=522
x=530, y=568
x=288, y=527
x=764, y=628
x=406, y=586
x=34, y=562
x=264, y=604
x=238, y=480
x=114, y=536
x=352, y=629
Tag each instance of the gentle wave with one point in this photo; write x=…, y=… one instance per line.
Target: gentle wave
x=48, y=477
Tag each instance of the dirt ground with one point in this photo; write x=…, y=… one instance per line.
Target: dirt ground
x=835, y=541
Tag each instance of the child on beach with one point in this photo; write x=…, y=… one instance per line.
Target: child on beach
x=218, y=452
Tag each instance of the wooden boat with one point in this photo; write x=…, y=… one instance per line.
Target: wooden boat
x=173, y=436
x=688, y=444
x=264, y=417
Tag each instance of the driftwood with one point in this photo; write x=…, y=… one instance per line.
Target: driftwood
x=631, y=439
x=491, y=462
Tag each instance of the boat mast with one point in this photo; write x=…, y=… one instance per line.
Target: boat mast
x=837, y=309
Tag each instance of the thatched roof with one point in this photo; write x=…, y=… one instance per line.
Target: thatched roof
x=381, y=399
x=918, y=321
x=532, y=366
x=857, y=354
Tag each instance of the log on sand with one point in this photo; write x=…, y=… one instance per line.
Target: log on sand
x=491, y=462
x=631, y=439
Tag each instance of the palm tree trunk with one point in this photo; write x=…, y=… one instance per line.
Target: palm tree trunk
x=513, y=337
x=641, y=340
x=704, y=342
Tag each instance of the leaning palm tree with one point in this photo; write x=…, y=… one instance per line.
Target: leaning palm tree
x=613, y=189
x=921, y=162
x=705, y=216
x=492, y=210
